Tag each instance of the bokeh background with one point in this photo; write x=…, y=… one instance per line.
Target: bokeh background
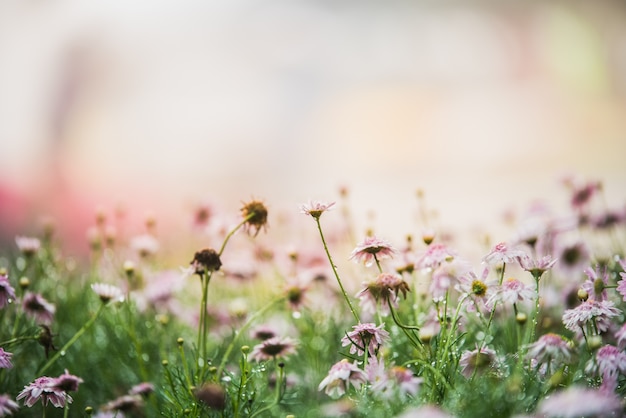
x=482, y=105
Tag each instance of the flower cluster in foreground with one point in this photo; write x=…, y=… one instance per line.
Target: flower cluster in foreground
x=327, y=323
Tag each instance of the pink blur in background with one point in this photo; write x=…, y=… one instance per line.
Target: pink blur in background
x=483, y=105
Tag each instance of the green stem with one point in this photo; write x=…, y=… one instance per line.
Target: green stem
x=243, y=328
x=72, y=340
x=278, y=393
x=332, y=265
x=16, y=340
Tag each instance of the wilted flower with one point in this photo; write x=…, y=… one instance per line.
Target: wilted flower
x=577, y=401
x=7, y=293
x=43, y=388
x=273, y=348
x=108, y=292
x=372, y=249
x=38, y=308
x=7, y=405
x=256, y=214
x=315, y=209
x=205, y=260
x=5, y=359
x=365, y=337
x=341, y=376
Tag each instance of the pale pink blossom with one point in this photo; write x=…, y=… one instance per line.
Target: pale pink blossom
x=365, y=337
x=550, y=349
x=599, y=311
x=43, y=388
x=477, y=361
x=7, y=405
x=5, y=359
x=502, y=253
x=315, y=208
x=512, y=291
x=28, y=245
x=379, y=293
x=578, y=401
x=434, y=255
x=341, y=376
x=372, y=249
x=273, y=348
x=595, y=285
x=107, y=292
x=408, y=383
x=537, y=267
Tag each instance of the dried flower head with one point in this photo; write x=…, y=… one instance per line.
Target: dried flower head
x=341, y=376
x=45, y=339
x=206, y=260
x=255, y=214
x=212, y=395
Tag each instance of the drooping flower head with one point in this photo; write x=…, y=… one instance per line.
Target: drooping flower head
x=7, y=405
x=341, y=376
x=273, y=348
x=143, y=389
x=609, y=362
x=365, y=337
x=7, y=293
x=43, y=388
x=372, y=249
x=537, y=267
x=38, y=308
x=315, y=209
x=408, y=383
x=255, y=212
x=600, y=312
x=66, y=382
x=5, y=359
x=379, y=293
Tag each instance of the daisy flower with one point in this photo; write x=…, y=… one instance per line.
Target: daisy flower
x=600, y=311
x=38, y=308
x=43, y=388
x=596, y=283
x=372, y=249
x=477, y=361
x=434, y=255
x=379, y=293
x=512, y=291
x=27, y=245
x=315, y=209
x=7, y=405
x=502, y=253
x=340, y=377
x=108, y=292
x=408, y=383
x=273, y=348
x=550, y=349
x=537, y=267
x=365, y=337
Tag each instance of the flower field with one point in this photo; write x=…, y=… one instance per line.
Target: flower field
x=303, y=315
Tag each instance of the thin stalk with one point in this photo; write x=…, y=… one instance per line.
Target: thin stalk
x=332, y=265
x=72, y=340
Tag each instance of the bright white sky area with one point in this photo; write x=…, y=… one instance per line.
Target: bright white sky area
x=484, y=105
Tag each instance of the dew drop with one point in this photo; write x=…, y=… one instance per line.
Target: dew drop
x=296, y=315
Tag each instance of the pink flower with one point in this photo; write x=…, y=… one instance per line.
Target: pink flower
x=372, y=249
x=444, y=275
x=573, y=258
x=620, y=337
x=408, y=383
x=476, y=361
x=38, y=308
x=340, y=377
x=273, y=348
x=609, y=361
x=381, y=292
x=425, y=411
x=512, y=291
x=435, y=255
x=7, y=405
x=143, y=389
x=479, y=291
x=5, y=359
x=315, y=209
x=43, y=388
x=27, y=245
x=550, y=349
x=377, y=375
x=577, y=401
x=501, y=253
x=365, y=337
x=600, y=311
x=7, y=293
x=537, y=267
x=66, y=382
x=145, y=245
x=621, y=285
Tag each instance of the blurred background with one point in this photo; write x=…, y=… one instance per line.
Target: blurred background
x=156, y=106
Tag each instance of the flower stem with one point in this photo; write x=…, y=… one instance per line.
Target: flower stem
x=332, y=265
x=72, y=340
